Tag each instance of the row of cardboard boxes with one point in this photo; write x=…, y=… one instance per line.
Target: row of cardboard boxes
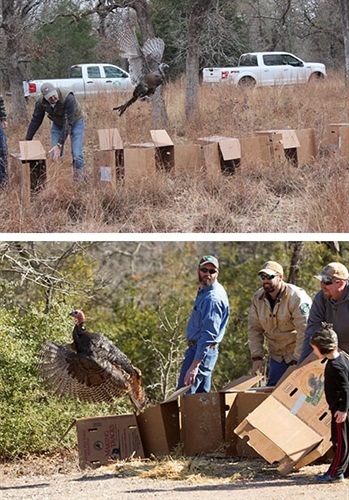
x=30, y=169
x=289, y=424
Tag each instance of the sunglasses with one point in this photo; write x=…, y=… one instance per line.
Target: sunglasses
x=264, y=277
x=206, y=270
x=328, y=281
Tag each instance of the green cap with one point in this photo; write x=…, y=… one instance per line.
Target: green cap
x=209, y=259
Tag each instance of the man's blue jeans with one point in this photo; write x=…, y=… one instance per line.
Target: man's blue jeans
x=3, y=158
x=276, y=370
x=77, y=140
x=204, y=377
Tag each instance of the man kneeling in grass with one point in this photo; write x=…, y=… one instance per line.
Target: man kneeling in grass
x=325, y=345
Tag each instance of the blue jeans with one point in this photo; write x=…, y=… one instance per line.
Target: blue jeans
x=3, y=158
x=203, y=379
x=276, y=370
x=77, y=139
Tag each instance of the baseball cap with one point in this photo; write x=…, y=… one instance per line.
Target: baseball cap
x=334, y=270
x=209, y=259
x=325, y=338
x=48, y=90
x=272, y=267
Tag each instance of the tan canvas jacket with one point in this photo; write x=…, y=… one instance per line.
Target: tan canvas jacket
x=279, y=331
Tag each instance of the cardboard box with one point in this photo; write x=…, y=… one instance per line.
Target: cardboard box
x=102, y=440
x=164, y=150
x=159, y=428
x=28, y=169
x=238, y=406
x=109, y=161
x=144, y=160
x=189, y=159
x=139, y=164
x=307, y=152
x=201, y=423
x=255, y=150
x=203, y=417
x=284, y=144
x=292, y=426
x=110, y=139
x=221, y=154
x=338, y=138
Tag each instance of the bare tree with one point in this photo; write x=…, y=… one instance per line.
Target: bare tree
x=344, y=10
x=16, y=15
x=198, y=12
x=296, y=257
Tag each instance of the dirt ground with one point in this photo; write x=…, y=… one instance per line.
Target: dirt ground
x=57, y=478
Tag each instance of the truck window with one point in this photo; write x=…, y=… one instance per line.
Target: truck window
x=248, y=60
x=75, y=72
x=272, y=60
x=292, y=61
x=93, y=72
x=112, y=72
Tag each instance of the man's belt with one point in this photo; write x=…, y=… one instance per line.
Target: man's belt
x=193, y=342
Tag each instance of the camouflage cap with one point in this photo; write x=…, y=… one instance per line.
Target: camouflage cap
x=326, y=338
x=209, y=259
x=334, y=270
x=272, y=267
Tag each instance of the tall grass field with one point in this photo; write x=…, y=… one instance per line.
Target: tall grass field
x=277, y=197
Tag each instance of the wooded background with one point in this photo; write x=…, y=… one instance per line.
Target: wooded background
x=41, y=39
x=139, y=294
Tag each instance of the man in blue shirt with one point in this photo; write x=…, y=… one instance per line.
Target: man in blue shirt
x=205, y=329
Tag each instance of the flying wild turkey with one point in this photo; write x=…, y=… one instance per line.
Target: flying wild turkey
x=90, y=369
x=146, y=70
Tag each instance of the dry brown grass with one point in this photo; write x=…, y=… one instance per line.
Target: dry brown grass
x=258, y=198
x=177, y=468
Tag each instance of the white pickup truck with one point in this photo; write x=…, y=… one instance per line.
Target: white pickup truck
x=266, y=68
x=85, y=79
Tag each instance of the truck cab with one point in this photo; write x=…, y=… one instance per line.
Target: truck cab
x=101, y=77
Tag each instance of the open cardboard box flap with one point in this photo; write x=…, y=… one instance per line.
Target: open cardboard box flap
x=229, y=146
x=109, y=139
x=31, y=150
x=242, y=383
x=289, y=137
x=230, y=149
x=161, y=138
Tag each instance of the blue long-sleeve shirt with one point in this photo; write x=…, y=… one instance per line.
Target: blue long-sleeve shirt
x=209, y=318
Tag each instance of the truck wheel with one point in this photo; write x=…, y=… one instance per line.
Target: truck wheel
x=316, y=77
x=247, y=81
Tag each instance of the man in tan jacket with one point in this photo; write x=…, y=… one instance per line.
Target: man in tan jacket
x=278, y=314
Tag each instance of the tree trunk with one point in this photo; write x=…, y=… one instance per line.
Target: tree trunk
x=196, y=21
x=13, y=29
x=344, y=10
x=296, y=257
